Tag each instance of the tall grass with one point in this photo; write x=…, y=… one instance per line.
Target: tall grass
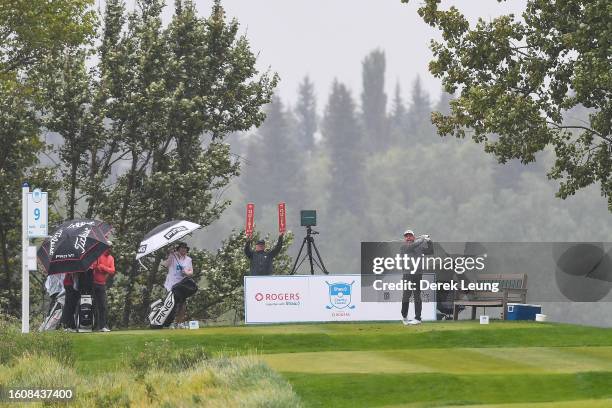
x=14, y=344
x=158, y=375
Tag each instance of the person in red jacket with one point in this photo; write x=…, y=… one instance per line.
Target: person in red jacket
x=103, y=267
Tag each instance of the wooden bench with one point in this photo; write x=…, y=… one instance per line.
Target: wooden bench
x=512, y=289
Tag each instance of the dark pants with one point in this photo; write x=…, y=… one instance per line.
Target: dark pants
x=416, y=294
x=72, y=300
x=99, y=298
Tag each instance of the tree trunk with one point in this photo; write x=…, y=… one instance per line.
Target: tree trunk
x=127, y=306
x=72, y=196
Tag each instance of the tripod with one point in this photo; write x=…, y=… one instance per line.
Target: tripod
x=309, y=242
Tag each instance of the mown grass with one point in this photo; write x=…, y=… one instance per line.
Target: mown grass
x=435, y=389
x=355, y=365
x=103, y=351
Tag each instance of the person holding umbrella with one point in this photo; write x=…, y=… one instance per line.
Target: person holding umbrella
x=103, y=267
x=180, y=267
x=72, y=249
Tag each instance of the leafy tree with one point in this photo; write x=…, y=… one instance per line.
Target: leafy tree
x=161, y=100
x=306, y=114
x=30, y=30
x=517, y=78
x=374, y=101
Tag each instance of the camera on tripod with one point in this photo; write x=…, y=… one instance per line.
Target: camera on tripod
x=308, y=219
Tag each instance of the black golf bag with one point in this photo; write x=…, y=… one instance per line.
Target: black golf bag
x=85, y=309
x=54, y=317
x=161, y=312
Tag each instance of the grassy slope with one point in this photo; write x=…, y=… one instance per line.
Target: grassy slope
x=388, y=364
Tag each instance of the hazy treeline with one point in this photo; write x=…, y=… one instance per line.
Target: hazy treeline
x=373, y=165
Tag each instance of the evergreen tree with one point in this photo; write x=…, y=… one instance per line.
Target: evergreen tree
x=274, y=170
x=306, y=115
x=374, y=101
x=344, y=141
x=398, y=127
x=419, y=114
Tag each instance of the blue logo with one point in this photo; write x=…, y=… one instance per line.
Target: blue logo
x=340, y=295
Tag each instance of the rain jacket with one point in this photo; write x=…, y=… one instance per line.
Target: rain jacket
x=261, y=261
x=103, y=267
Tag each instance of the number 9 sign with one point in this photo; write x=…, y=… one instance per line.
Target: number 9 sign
x=37, y=214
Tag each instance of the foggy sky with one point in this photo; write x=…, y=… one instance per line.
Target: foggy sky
x=328, y=39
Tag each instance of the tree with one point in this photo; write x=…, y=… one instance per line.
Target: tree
x=517, y=79
x=161, y=99
x=374, y=101
x=344, y=141
x=274, y=170
x=306, y=115
x=31, y=30
x=419, y=113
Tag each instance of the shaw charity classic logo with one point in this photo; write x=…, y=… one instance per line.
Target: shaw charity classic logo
x=168, y=235
x=340, y=295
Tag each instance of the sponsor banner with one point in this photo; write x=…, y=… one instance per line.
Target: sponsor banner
x=320, y=298
x=250, y=219
x=282, y=222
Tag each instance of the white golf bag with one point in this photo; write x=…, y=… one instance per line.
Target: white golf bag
x=53, y=319
x=162, y=312
x=85, y=314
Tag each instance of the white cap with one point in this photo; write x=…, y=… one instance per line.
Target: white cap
x=408, y=231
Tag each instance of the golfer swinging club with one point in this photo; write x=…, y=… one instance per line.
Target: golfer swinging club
x=414, y=247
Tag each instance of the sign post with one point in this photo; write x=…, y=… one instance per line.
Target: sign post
x=25, y=273
x=34, y=220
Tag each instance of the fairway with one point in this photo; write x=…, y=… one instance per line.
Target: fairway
x=387, y=364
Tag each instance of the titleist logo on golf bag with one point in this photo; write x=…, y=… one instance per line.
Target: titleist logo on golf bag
x=159, y=314
x=168, y=235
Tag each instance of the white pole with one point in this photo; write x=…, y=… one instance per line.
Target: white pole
x=25, y=273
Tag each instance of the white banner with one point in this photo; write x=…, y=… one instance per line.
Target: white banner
x=318, y=298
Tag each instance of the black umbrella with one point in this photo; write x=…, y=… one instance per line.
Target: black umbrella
x=74, y=246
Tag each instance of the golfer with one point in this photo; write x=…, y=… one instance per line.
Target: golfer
x=414, y=247
x=261, y=260
x=179, y=267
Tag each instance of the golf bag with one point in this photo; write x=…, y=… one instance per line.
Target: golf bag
x=85, y=309
x=54, y=317
x=161, y=312
x=85, y=314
